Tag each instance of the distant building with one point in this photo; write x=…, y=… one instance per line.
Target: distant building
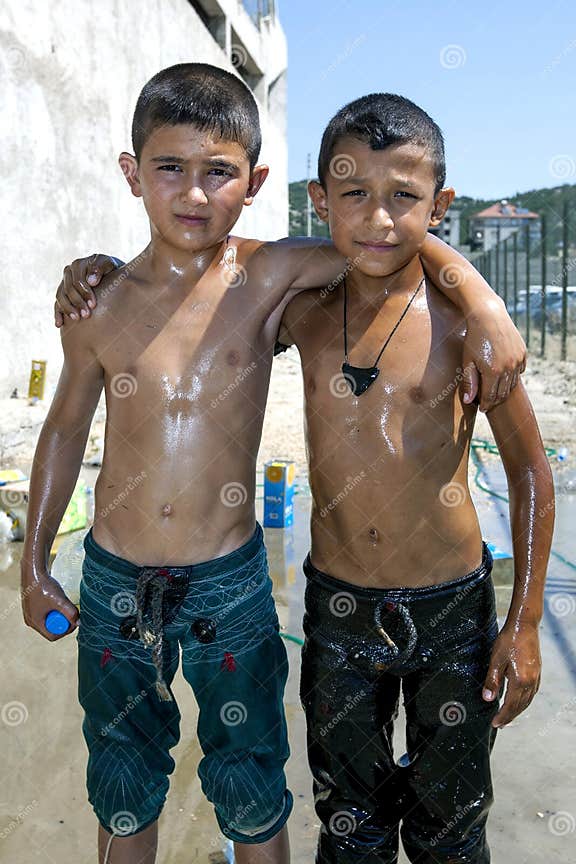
x=449, y=228
x=499, y=221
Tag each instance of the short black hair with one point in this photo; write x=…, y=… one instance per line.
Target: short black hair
x=382, y=120
x=205, y=96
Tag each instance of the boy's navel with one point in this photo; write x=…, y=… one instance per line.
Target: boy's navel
x=167, y=510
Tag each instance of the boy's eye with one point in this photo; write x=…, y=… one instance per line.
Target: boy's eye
x=220, y=172
x=404, y=194
x=353, y=193
x=169, y=168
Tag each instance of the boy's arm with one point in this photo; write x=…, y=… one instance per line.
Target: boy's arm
x=516, y=653
x=57, y=462
x=493, y=345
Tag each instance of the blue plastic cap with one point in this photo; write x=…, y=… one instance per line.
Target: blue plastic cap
x=56, y=623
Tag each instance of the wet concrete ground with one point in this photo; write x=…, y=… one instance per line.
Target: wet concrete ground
x=44, y=814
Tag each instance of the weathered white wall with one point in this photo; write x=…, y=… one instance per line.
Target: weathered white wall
x=70, y=74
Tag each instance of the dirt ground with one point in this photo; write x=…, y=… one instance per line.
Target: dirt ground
x=44, y=815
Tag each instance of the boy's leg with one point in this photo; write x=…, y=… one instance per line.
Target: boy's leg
x=450, y=737
x=350, y=708
x=128, y=729
x=138, y=849
x=236, y=662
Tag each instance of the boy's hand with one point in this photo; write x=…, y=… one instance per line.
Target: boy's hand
x=495, y=348
x=516, y=658
x=75, y=296
x=39, y=597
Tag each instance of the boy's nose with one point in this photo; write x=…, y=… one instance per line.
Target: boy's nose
x=196, y=195
x=380, y=218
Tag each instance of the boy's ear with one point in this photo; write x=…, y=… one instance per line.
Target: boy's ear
x=257, y=178
x=319, y=199
x=442, y=202
x=129, y=167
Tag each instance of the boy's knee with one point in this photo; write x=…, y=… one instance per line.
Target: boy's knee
x=248, y=793
x=125, y=793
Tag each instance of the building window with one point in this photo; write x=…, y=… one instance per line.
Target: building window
x=213, y=19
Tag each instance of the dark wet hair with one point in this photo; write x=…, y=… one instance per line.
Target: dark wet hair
x=381, y=120
x=209, y=98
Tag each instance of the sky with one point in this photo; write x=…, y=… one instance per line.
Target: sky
x=498, y=76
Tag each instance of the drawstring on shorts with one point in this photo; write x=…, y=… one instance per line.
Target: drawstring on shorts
x=151, y=633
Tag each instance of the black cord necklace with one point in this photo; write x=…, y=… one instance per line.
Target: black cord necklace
x=360, y=378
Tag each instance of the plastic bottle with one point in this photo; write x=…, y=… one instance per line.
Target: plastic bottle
x=67, y=570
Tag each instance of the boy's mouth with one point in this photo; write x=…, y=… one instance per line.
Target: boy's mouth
x=377, y=246
x=191, y=220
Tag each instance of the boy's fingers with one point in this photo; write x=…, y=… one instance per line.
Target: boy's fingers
x=58, y=317
x=517, y=699
x=504, y=386
x=492, y=683
x=470, y=383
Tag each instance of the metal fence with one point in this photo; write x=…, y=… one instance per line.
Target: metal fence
x=534, y=279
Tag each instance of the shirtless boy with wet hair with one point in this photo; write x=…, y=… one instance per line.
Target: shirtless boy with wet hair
x=399, y=595
x=182, y=341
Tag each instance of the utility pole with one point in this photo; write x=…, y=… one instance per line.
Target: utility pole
x=308, y=200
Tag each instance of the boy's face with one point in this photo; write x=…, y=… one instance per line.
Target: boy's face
x=194, y=185
x=379, y=204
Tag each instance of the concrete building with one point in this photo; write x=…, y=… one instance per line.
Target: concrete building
x=70, y=74
x=449, y=228
x=499, y=221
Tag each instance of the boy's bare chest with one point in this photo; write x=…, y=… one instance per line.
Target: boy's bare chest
x=411, y=401
x=190, y=353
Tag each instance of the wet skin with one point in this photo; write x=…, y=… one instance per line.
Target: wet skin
x=182, y=342
x=388, y=469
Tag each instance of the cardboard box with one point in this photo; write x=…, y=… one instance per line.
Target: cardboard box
x=279, y=494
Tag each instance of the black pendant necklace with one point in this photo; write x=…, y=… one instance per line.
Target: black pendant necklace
x=360, y=378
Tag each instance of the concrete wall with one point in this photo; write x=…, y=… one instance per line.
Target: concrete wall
x=70, y=73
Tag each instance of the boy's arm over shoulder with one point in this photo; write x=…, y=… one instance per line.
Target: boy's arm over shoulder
x=75, y=296
x=57, y=462
x=298, y=264
x=516, y=654
x=493, y=345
